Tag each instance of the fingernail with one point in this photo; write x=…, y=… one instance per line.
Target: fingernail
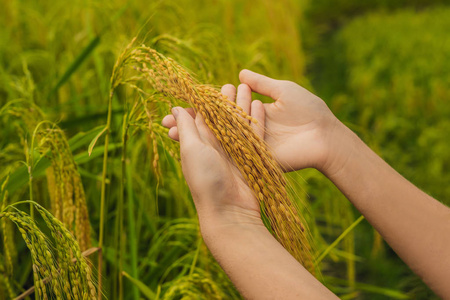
x=175, y=112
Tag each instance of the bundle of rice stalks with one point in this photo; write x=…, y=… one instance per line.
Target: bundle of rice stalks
x=145, y=111
x=58, y=269
x=162, y=76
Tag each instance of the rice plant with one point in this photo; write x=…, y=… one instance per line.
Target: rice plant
x=94, y=204
x=59, y=268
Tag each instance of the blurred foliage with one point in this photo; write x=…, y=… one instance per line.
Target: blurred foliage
x=390, y=82
x=381, y=66
x=385, y=76
x=331, y=13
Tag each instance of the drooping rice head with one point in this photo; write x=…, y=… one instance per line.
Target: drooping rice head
x=67, y=198
x=58, y=269
x=230, y=125
x=64, y=184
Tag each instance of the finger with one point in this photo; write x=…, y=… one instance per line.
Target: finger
x=173, y=133
x=259, y=113
x=230, y=91
x=187, y=130
x=261, y=84
x=169, y=121
x=205, y=133
x=244, y=97
x=191, y=111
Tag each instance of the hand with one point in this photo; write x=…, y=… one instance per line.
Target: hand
x=301, y=131
x=221, y=196
x=229, y=217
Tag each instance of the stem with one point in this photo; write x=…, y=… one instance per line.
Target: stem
x=30, y=162
x=194, y=261
x=132, y=231
x=346, y=231
x=120, y=248
x=103, y=195
x=30, y=184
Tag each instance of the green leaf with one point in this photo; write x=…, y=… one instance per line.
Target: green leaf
x=94, y=141
x=76, y=64
x=392, y=294
x=20, y=177
x=82, y=138
x=336, y=242
x=85, y=157
x=141, y=286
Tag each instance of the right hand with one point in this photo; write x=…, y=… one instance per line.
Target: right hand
x=301, y=130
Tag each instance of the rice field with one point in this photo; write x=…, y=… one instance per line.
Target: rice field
x=93, y=200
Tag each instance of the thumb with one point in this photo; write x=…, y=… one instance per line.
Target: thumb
x=187, y=130
x=261, y=84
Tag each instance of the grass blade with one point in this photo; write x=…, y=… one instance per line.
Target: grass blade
x=20, y=177
x=133, y=242
x=94, y=141
x=392, y=294
x=329, y=248
x=145, y=290
x=75, y=64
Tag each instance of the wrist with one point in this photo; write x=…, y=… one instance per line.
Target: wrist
x=343, y=145
x=221, y=221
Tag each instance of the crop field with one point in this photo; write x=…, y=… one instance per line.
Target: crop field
x=93, y=199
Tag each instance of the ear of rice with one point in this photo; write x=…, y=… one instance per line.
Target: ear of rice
x=64, y=184
x=58, y=269
x=8, y=245
x=67, y=198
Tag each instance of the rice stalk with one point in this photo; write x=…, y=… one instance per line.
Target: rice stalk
x=146, y=110
x=113, y=85
x=64, y=184
x=6, y=268
x=162, y=78
x=54, y=271
x=8, y=241
x=68, y=201
x=140, y=116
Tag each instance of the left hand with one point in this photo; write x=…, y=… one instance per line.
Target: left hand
x=220, y=193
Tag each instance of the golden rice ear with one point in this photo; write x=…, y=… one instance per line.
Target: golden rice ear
x=66, y=191
x=229, y=124
x=67, y=198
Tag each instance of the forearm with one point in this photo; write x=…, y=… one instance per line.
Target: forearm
x=415, y=225
x=258, y=265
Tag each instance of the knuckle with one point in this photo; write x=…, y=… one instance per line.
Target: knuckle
x=289, y=84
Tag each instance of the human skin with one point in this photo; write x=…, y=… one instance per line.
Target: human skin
x=302, y=133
